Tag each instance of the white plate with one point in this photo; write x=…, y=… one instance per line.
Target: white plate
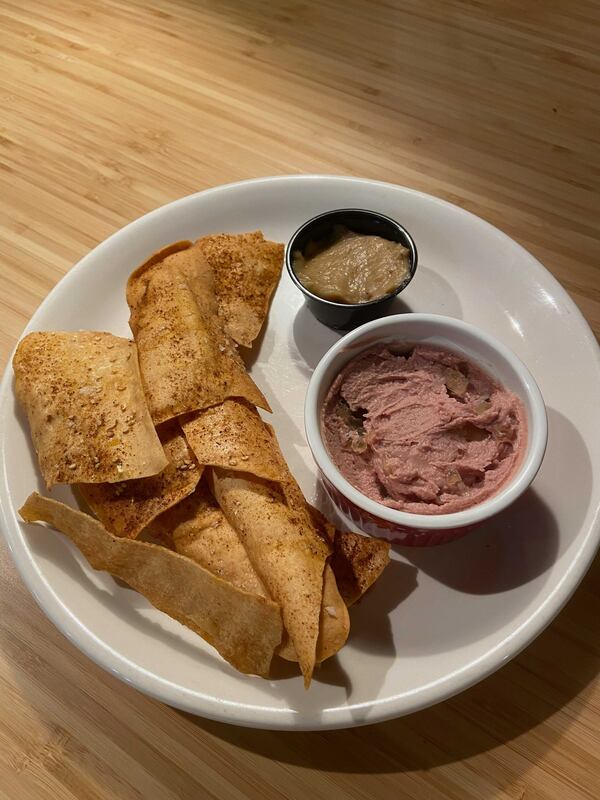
x=440, y=619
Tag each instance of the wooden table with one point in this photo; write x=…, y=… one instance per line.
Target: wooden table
x=112, y=108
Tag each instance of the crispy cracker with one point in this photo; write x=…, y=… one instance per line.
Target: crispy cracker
x=295, y=497
x=357, y=562
x=136, y=286
x=244, y=628
x=201, y=531
x=233, y=436
x=187, y=361
x=286, y=553
x=85, y=403
x=127, y=507
x=334, y=623
x=247, y=268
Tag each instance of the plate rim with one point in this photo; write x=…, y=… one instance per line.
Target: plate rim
x=267, y=717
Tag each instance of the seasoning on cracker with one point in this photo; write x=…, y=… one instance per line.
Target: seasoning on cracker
x=232, y=435
x=247, y=268
x=87, y=412
x=187, y=361
x=200, y=531
x=127, y=507
x=287, y=554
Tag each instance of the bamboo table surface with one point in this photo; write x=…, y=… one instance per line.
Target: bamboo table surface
x=112, y=108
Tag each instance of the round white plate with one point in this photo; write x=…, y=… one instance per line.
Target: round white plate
x=440, y=619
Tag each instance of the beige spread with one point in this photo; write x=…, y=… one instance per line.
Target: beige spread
x=351, y=267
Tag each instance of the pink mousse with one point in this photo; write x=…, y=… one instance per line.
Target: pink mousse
x=426, y=432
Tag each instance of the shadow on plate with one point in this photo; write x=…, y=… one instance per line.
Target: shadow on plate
x=440, y=294
x=331, y=673
x=508, y=551
x=311, y=339
x=523, y=541
x=370, y=631
x=370, y=626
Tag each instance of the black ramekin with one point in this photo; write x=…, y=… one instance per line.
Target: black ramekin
x=348, y=315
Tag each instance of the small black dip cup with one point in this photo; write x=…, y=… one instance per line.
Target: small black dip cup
x=348, y=315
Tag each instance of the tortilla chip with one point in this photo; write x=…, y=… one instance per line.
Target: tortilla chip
x=357, y=562
x=244, y=628
x=187, y=361
x=254, y=437
x=334, y=623
x=127, y=507
x=136, y=286
x=155, y=535
x=200, y=531
x=287, y=554
x=87, y=412
x=247, y=268
x=233, y=436
x=322, y=524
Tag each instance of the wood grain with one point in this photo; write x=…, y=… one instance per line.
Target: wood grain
x=112, y=108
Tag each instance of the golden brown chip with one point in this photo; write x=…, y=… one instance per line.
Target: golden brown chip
x=295, y=497
x=233, y=436
x=136, y=285
x=321, y=523
x=258, y=438
x=247, y=268
x=187, y=361
x=127, y=507
x=85, y=403
x=200, y=531
x=334, y=623
x=357, y=562
x=244, y=628
x=155, y=535
x=288, y=554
